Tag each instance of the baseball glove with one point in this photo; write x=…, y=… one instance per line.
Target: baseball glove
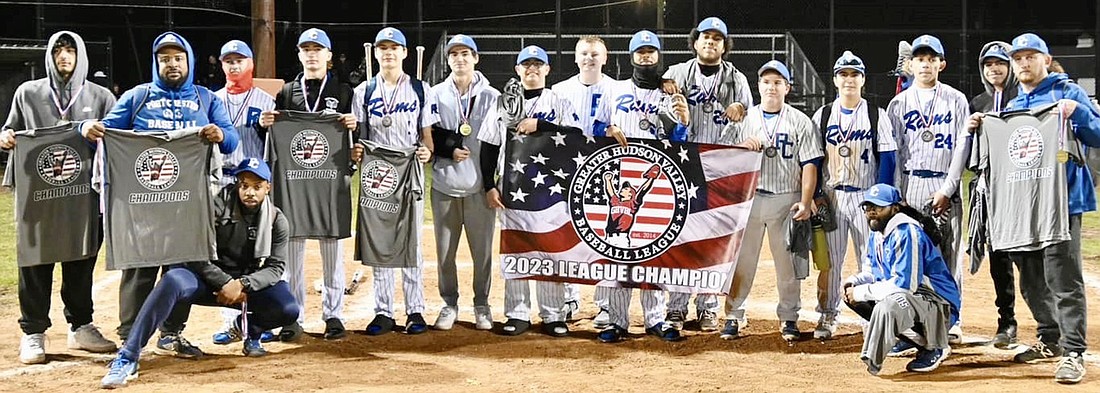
x=653, y=172
x=511, y=104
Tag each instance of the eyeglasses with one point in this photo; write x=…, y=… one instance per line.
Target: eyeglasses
x=532, y=64
x=870, y=207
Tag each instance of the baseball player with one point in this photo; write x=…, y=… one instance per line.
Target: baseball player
x=252, y=246
x=586, y=91
x=904, y=289
x=139, y=109
x=859, y=152
x=397, y=111
x=316, y=90
x=929, y=123
x=788, y=178
x=717, y=94
x=637, y=108
x=244, y=102
x=73, y=99
x=543, y=111
x=458, y=200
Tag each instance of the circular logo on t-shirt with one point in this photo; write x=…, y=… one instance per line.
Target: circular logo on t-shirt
x=1025, y=147
x=157, y=169
x=309, y=149
x=58, y=165
x=378, y=179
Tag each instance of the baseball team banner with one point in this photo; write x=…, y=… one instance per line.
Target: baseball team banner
x=653, y=214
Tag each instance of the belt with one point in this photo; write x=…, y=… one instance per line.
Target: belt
x=847, y=188
x=764, y=192
x=227, y=171
x=925, y=174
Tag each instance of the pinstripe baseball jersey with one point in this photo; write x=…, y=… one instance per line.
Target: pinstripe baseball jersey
x=548, y=106
x=631, y=108
x=394, y=112
x=849, y=132
x=709, y=92
x=1028, y=197
x=56, y=212
x=310, y=156
x=244, y=111
x=586, y=99
x=930, y=127
x=390, y=181
x=789, y=139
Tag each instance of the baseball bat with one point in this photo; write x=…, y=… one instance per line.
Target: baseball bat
x=368, y=62
x=354, y=285
x=420, y=62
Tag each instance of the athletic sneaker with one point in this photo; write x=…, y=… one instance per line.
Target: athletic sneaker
x=664, y=331
x=227, y=336
x=955, y=335
x=253, y=349
x=446, y=318
x=826, y=327
x=602, y=319
x=789, y=331
x=483, y=318
x=268, y=336
x=556, y=329
x=415, y=324
x=172, y=344
x=611, y=334
x=32, y=348
x=1071, y=369
x=731, y=331
x=1006, y=336
x=928, y=360
x=334, y=329
x=708, y=320
x=902, y=349
x=120, y=371
x=380, y=325
x=905, y=52
x=89, y=338
x=676, y=318
x=291, y=333
x=1040, y=352
x=569, y=308
x=515, y=327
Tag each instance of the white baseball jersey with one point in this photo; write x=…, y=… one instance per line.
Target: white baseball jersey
x=401, y=106
x=851, y=128
x=548, y=106
x=630, y=108
x=708, y=92
x=244, y=111
x=586, y=99
x=930, y=126
x=789, y=139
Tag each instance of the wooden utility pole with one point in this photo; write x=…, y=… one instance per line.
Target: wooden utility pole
x=263, y=37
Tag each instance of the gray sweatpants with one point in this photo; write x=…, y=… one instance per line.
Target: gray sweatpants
x=770, y=212
x=919, y=318
x=449, y=216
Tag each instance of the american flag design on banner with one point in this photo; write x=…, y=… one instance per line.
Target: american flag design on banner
x=310, y=149
x=59, y=165
x=157, y=169
x=653, y=214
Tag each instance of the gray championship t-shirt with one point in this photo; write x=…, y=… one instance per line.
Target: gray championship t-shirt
x=56, y=212
x=312, y=173
x=1028, y=196
x=159, y=208
x=391, y=180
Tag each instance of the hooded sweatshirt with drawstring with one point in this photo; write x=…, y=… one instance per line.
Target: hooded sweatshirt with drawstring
x=984, y=102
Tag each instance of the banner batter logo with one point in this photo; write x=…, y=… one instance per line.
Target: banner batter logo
x=628, y=203
x=1025, y=147
x=157, y=169
x=58, y=165
x=309, y=149
x=379, y=179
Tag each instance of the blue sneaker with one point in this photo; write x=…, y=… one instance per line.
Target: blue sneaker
x=928, y=360
x=611, y=334
x=902, y=349
x=120, y=371
x=268, y=336
x=665, y=331
x=253, y=349
x=172, y=344
x=731, y=331
x=228, y=336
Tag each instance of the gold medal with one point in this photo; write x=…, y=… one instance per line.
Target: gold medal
x=1063, y=156
x=465, y=129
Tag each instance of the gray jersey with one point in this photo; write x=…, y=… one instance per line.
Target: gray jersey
x=789, y=140
x=159, y=209
x=1028, y=197
x=56, y=212
x=390, y=181
x=311, y=174
x=461, y=179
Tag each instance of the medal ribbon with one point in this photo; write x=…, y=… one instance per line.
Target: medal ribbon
x=240, y=110
x=927, y=120
x=72, y=100
x=464, y=110
x=846, y=133
x=712, y=90
x=305, y=95
x=387, y=107
x=778, y=121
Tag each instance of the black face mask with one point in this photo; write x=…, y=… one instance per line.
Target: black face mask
x=647, y=76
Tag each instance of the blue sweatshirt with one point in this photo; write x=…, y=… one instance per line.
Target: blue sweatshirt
x=157, y=106
x=1086, y=126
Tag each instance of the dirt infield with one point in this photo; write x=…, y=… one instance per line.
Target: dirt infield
x=468, y=360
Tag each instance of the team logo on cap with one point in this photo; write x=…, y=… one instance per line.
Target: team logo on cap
x=309, y=149
x=874, y=191
x=253, y=163
x=532, y=51
x=1021, y=41
x=389, y=33
x=1025, y=147
x=157, y=169
x=313, y=35
x=645, y=37
x=716, y=23
x=58, y=165
x=926, y=41
x=628, y=203
x=170, y=38
x=378, y=179
x=232, y=46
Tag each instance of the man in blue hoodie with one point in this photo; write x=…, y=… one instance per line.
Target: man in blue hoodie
x=170, y=102
x=1062, y=261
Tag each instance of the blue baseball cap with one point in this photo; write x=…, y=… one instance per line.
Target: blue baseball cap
x=644, y=38
x=392, y=35
x=1029, y=41
x=316, y=36
x=255, y=165
x=995, y=51
x=882, y=195
x=713, y=23
x=532, y=52
x=460, y=40
x=928, y=41
x=849, y=61
x=235, y=46
x=777, y=66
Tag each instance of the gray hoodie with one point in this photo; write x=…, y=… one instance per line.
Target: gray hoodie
x=984, y=102
x=463, y=178
x=35, y=102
